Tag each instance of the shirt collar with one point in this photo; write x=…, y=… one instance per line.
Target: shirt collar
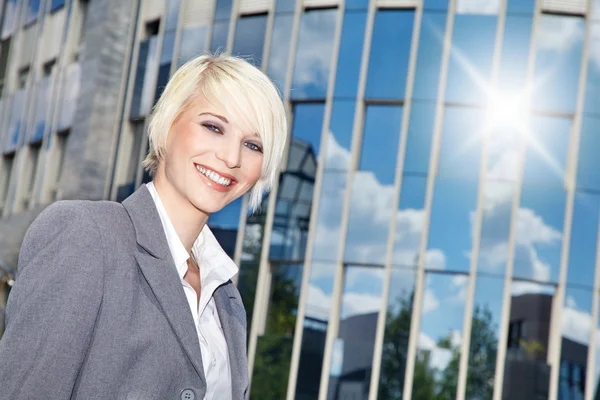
x=214, y=263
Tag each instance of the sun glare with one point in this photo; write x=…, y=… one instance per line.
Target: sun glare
x=507, y=110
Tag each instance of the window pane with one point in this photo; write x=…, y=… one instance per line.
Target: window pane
x=250, y=37
x=313, y=57
x=438, y=351
x=274, y=348
x=350, y=56
x=280, y=49
x=397, y=332
x=471, y=58
x=220, y=32
x=588, y=169
x=520, y=6
x=460, y=152
x=504, y=153
x=546, y=156
x=70, y=92
x=56, y=4
x=224, y=225
x=172, y=14
x=10, y=18
x=584, y=235
x=429, y=57
x=283, y=6
x=436, y=5
x=495, y=228
x=145, y=77
x=514, y=57
x=526, y=373
x=592, y=87
x=192, y=43
x=410, y=221
x=485, y=7
x=33, y=9
x=42, y=101
x=223, y=9
x=373, y=186
x=352, y=358
x=15, y=121
x=164, y=69
x=420, y=136
x=339, y=137
x=485, y=323
x=316, y=320
x=390, y=50
x=576, y=331
x=329, y=217
x=559, y=45
x=294, y=198
x=450, y=242
x=539, y=233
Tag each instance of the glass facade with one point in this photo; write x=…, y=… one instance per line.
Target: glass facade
x=433, y=233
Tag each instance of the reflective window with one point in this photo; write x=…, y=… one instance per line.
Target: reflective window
x=373, y=186
x=42, y=101
x=15, y=121
x=495, y=227
x=173, y=7
x=274, y=348
x=316, y=320
x=470, y=62
x=438, y=351
x=33, y=9
x=420, y=136
x=504, y=153
x=390, y=51
x=250, y=37
x=223, y=9
x=410, y=221
x=7, y=169
x=514, y=56
x=460, y=152
x=546, y=156
x=539, y=233
x=588, y=165
x=220, y=32
x=559, y=44
x=285, y=6
x=145, y=78
x=592, y=87
x=280, y=49
x=192, y=43
x=296, y=183
x=520, y=6
x=56, y=4
x=329, y=217
x=485, y=323
x=450, y=241
x=357, y=4
x=10, y=18
x=584, y=235
x=350, y=55
x=429, y=57
x=224, y=225
x=396, y=334
x=528, y=336
x=164, y=67
x=478, y=7
x=352, y=357
x=70, y=92
x=577, y=313
x=339, y=136
x=441, y=5
x=313, y=56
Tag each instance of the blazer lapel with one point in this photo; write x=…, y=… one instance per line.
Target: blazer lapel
x=232, y=316
x=156, y=263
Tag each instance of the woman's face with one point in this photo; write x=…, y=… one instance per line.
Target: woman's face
x=211, y=159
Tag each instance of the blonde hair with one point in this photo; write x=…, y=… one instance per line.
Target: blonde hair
x=235, y=86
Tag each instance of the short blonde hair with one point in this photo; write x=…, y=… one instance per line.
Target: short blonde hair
x=237, y=87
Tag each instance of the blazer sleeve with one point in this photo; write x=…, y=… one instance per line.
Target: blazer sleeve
x=53, y=306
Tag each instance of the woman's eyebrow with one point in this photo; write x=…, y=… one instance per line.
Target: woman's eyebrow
x=222, y=118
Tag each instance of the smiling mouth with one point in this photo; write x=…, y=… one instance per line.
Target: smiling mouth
x=214, y=176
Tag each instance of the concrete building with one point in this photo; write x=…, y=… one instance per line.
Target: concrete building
x=434, y=230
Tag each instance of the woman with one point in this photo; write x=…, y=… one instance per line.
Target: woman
x=134, y=300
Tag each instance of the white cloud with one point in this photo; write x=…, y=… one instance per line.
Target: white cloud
x=571, y=302
x=360, y=303
x=531, y=229
x=318, y=304
x=519, y=288
x=477, y=7
x=430, y=302
x=435, y=259
x=439, y=358
x=559, y=33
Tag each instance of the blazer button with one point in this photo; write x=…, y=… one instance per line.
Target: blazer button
x=188, y=394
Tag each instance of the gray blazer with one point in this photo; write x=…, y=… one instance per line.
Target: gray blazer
x=98, y=311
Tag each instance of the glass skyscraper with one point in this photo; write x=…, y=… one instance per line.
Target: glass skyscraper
x=434, y=231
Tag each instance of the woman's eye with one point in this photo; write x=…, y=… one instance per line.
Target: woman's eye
x=254, y=147
x=212, y=128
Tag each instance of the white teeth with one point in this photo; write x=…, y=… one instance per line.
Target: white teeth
x=213, y=176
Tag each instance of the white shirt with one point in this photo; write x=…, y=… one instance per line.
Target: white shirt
x=216, y=268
